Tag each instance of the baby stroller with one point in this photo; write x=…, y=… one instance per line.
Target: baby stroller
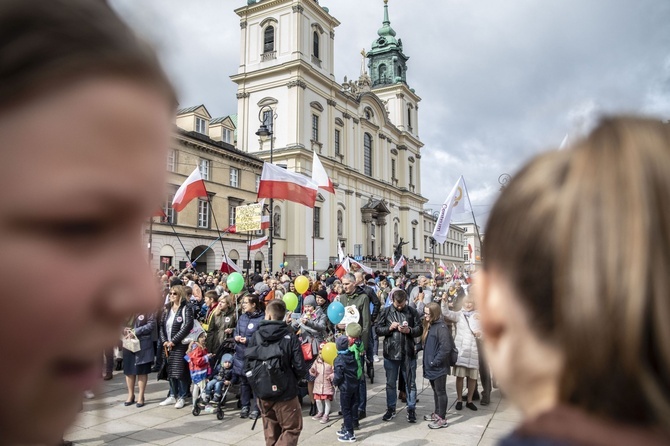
x=199, y=405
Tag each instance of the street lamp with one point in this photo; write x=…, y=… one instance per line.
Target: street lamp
x=266, y=117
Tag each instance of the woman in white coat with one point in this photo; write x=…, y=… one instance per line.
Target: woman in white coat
x=468, y=330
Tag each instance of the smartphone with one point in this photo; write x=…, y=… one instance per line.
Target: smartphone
x=420, y=289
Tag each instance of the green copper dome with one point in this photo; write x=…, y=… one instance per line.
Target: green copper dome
x=386, y=33
x=387, y=63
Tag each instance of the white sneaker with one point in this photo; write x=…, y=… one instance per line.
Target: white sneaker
x=88, y=394
x=179, y=404
x=375, y=358
x=168, y=401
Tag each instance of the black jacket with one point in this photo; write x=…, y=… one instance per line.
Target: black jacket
x=374, y=300
x=438, y=345
x=345, y=373
x=292, y=361
x=397, y=345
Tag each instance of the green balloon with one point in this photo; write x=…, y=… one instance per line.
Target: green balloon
x=291, y=301
x=235, y=282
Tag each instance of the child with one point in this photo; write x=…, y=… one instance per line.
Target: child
x=198, y=363
x=323, y=387
x=223, y=378
x=347, y=374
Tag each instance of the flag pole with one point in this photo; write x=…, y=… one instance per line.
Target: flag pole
x=216, y=223
x=178, y=238
x=472, y=211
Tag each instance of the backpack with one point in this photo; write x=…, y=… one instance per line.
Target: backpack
x=263, y=369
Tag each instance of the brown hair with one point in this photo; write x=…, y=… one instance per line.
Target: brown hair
x=276, y=310
x=48, y=44
x=435, y=315
x=583, y=235
x=212, y=295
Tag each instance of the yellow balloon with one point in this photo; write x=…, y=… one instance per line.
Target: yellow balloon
x=329, y=352
x=301, y=284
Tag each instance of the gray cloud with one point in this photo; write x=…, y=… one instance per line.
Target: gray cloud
x=500, y=81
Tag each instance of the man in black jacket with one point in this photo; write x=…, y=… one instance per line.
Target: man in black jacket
x=282, y=417
x=399, y=324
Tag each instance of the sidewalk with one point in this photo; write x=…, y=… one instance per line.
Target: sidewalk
x=105, y=421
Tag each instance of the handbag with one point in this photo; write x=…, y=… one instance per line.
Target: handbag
x=307, y=351
x=132, y=343
x=163, y=372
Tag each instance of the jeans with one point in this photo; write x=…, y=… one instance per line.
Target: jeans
x=375, y=342
x=348, y=402
x=178, y=388
x=214, y=385
x=246, y=394
x=484, y=373
x=439, y=386
x=408, y=369
x=362, y=394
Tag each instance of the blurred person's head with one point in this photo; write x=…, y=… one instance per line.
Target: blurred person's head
x=574, y=292
x=86, y=110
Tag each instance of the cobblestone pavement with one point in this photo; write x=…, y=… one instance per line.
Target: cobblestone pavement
x=105, y=420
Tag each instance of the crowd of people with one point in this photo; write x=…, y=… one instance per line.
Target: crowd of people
x=409, y=312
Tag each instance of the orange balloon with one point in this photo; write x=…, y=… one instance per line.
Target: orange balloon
x=301, y=284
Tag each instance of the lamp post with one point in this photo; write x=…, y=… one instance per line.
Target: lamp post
x=266, y=117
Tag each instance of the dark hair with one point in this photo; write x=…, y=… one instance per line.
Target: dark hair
x=276, y=310
x=212, y=295
x=254, y=299
x=48, y=44
x=399, y=296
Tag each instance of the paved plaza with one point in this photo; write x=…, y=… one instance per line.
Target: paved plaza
x=105, y=420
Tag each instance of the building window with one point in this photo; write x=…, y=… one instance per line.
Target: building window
x=315, y=44
x=231, y=214
x=170, y=216
x=409, y=117
x=204, y=169
x=337, y=142
x=340, y=222
x=382, y=73
x=258, y=182
x=393, y=177
x=411, y=175
x=227, y=136
x=367, y=154
x=276, y=224
x=203, y=214
x=413, y=238
x=200, y=126
x=269, y=39
x=395, y=233
x=172, y=160
x=234, y=177
x=315, y=127
x=317, y=222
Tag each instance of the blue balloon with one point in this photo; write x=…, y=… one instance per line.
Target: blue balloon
x=335, y=312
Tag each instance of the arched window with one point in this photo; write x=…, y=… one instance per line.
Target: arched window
x=269, y=39
x=367, y=154
x=399, y=71
x=395, y=233
x=409, y=117
x=340, y=220
x=315, y=47
x=382, y=72
x=276, y=224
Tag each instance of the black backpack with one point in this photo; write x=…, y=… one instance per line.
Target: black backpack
x=263, y=369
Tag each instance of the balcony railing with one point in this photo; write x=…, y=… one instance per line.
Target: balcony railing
x=269, y=55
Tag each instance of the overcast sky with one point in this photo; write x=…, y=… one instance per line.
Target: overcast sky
x=500, y=80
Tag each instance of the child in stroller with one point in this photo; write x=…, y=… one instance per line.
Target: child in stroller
x=217, y=388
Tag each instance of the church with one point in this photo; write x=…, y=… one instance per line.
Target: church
x=365, y=131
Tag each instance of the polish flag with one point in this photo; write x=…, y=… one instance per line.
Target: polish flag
x=456, y=273
x=342, y=269
x=257, y=243
x=231, y=229
x=340, y=252
x=193, y=187
x=265, y=222
x=228, y=266
x=367, y=270
x=399, y=264
x=279, y=183
x=159, y=213
x=319, y=175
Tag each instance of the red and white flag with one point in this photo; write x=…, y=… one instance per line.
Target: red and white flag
x=257, y=243
x=456, y=273
x=265, y=222
x=277, y=182
x=367, y=269
x=399, y=264
x=193, y=187
x=340, y=252
x=319, y=175
x=228, y=266
x=342, y=269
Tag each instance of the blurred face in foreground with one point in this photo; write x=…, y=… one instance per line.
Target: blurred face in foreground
x=80, y=175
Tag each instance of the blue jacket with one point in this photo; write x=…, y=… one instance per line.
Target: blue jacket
x=345, y=375
x=247, y=325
